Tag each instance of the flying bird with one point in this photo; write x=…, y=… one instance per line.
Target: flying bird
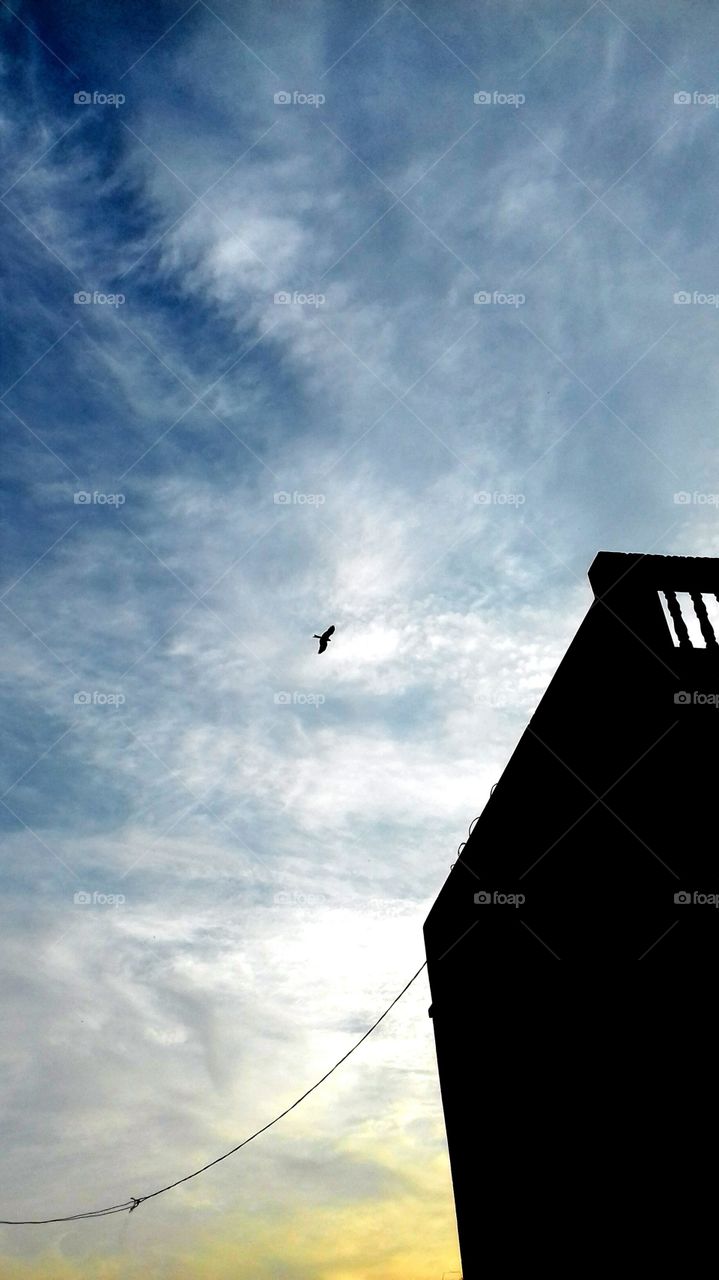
x=324, y=639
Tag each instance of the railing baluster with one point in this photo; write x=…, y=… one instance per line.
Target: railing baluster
x=680, y=625
x=706, y=626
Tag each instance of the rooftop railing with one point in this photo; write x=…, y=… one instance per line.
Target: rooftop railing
x=692, y=618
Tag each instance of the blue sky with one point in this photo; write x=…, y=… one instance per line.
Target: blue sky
x=198, y=477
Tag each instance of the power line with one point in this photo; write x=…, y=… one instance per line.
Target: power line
x=134, y=1201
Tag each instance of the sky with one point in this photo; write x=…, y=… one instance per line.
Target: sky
x=385, y=316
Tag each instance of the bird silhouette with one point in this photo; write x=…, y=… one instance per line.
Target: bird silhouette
x=324, y=639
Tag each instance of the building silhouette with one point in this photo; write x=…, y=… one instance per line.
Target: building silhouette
x=597, y=846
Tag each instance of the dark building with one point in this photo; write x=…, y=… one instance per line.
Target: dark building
x=597, y=847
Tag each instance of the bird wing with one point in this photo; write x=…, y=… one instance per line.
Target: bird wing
x=329, y=632
x=323, y=644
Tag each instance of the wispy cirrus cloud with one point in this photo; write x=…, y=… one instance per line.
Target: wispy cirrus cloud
x=431, y=473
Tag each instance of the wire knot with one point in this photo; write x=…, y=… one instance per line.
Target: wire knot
x=135, y=1201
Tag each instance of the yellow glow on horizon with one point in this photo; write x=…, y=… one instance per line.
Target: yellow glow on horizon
x=410, y=1236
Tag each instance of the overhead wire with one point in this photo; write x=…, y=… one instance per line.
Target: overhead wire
x=133, y=1202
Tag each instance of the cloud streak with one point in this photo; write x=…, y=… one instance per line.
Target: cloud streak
x=430, y=473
